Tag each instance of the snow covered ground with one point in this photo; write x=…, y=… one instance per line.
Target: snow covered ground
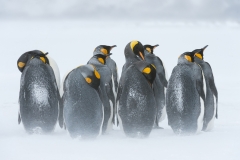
x=71, y=44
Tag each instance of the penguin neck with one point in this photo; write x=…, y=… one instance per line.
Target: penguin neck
x=182, y=60
x=94, y=61
x=198, y=60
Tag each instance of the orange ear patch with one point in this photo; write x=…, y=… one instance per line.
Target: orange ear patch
x=147, y=70
x=188, y=58
x=104, y=51
x=148, y=49
x=97, y=74
x=21, y=64
x=198, y=55
x=88, y=80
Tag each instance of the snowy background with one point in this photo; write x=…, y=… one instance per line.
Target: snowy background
x=70, y=30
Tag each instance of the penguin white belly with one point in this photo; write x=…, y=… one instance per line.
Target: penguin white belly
x=200, y=118
x=109, y=124
x=55, y=68
x=100, y=131
x=61, y=87
x=114, y=91
x=211, y=122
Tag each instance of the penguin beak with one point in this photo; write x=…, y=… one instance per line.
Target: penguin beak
x=46, y=53
x=141, y=55
x=155, y=46
x=204, y=47
x=112, y=47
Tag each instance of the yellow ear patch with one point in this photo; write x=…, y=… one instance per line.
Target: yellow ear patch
x=97, y=74
x=133, y=44
x=101, y=60
x=88, y=80
x=21, y=64
x=104, y=51
x=43, y=59
x=148, y=49
x=147, y=70
x=188, y=58
x=198, y=55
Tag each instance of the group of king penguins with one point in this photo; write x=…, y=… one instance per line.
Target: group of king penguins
x=91, y=98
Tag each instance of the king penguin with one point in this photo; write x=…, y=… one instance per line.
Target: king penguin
x=113, y=66
x=185, y=96
x=160, y=83
x=137, y=106
x=107, y=94
x=39, y=95
x=133, y=52
x=83, y=109
x=211, y=101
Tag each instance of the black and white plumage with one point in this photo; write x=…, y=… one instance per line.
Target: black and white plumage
x=107, y=94
x=185, y=96
x=211, y=101
x=39, y=95
x=160, y=83
x=83, y=109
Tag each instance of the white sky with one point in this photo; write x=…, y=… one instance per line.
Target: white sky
x=168, y=10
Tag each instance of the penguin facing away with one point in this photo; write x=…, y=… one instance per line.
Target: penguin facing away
x=39, y=95
x=83, y=109
x=185, y=96
x=137, y=106
x=107, y=94
x=160, y=83
x=133, y=52
x=211, y=101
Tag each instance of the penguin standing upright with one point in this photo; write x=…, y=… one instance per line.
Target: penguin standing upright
x=185, y=96
x=160, y=83
x=39, y=95
x=211, y=100
x=83, y=109
x=107, y=94
x=137, y=106
x=113, y=66
x=133, y=52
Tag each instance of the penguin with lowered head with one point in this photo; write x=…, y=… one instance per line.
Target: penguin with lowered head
x=160, y=83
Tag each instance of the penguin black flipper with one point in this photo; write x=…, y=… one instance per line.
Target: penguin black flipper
x=199, y=80
x=213, y=89
x=161, y=72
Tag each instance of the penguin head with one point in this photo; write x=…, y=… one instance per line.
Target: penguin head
x=100, y=58
x=136, y=48
x=186, y=57
x=148, y=70
x=40, y=55
x=199, y=52
x=91, y=75
x=103, y=49
x=150, y=48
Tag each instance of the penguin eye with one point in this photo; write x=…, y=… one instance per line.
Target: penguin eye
x=104, y=51
x=101, y=60
x=43, y=59
x=147, y=70
x=88, y=80
x=198, y=55
x=148, y=49
x=96, y=74
x=188, y=58
x=21, y=64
